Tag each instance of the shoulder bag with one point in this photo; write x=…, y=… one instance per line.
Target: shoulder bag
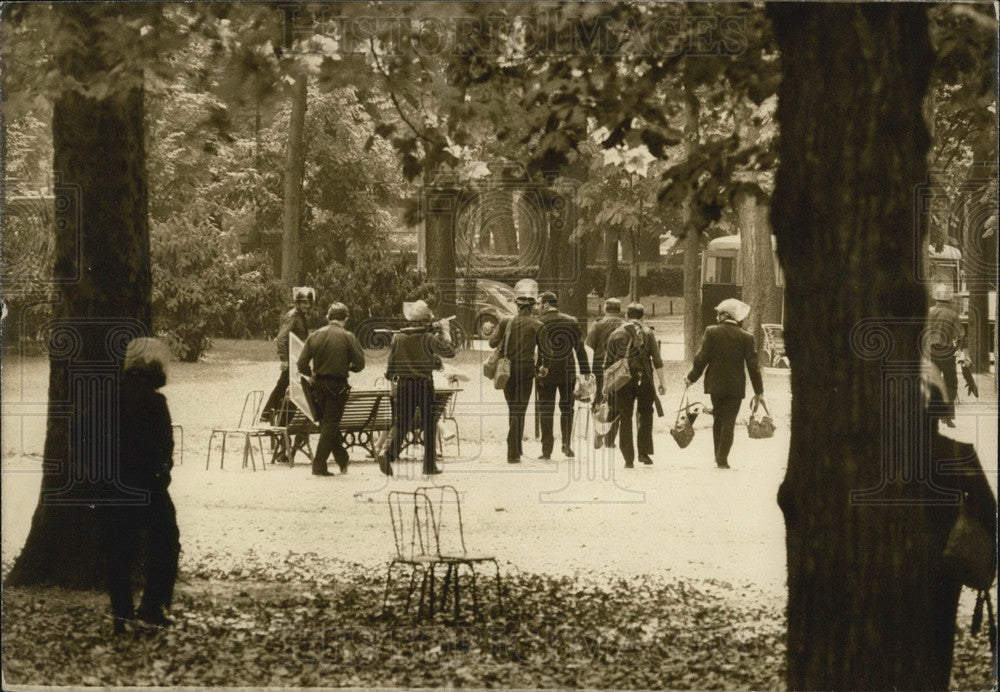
x=618, y=374
x=502, y=370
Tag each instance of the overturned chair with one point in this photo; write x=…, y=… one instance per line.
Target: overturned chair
x=428, y=532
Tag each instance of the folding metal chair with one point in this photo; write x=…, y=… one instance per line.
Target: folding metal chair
x=247, y=428
x=445, y=508
x=413, y=536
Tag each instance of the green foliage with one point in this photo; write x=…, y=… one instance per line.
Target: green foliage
x=201, y=291
x=373, y=283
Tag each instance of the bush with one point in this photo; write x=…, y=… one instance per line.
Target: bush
x=662, y=281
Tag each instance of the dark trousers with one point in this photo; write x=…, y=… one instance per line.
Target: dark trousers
x=609, y=438
x=413, y=393
x=330, y=395
x=546, y=390
x=278, y=393
x=123, y=528
x=638, y=393
x=724, y=410
x=949, y=372
x=517, y=391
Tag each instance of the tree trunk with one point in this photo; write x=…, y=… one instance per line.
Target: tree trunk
x=692, y=239
x=760, y=291
x=441, y=205
x=102, y=262
x=611, y=287
x=502, y=224
x=294, y=166
x=866, y=609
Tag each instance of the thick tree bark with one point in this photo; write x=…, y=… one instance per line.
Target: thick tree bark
x=757, y=257
x=502, y=222
x=864, y=535
x=692, y=239
x=294, y=166
x=102, y=263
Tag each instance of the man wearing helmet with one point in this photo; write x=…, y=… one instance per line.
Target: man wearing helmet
x=726, y=349
x=517, y=337
x=944, y=328
x=295, y=321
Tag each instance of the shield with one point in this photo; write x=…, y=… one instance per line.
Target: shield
x=299, y=388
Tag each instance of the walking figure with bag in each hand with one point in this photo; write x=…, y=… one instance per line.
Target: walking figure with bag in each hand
x=632, y=358
x=728, y=353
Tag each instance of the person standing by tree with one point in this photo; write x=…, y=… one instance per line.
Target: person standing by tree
x=635, y=341
x=295, y=321
x=944, y=327
x=558, y=340
x=334, y=352
x=145, y=457
x=414, y=354
x=597, y=340
x=725, y=349
x=520, y=348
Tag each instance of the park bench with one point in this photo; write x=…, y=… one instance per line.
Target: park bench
x=367, y=415
x=774, y=345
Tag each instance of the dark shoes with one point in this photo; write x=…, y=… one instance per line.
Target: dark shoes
x=567, y=451
x=433, y=472
x=383, y=464
x=152, y=616
x=723, y=465
x=516, y=460
x=598, y=441
x=949, y=422
x=629, y=465
x=644, y=458
x=343, y=468
x=324, y=472
x=545, y=456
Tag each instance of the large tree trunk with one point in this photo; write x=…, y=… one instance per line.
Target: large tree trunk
x=103, y=266
x=865, y=605
x=501, y=221
x=692, y=239
x=294, y=166
x=760, y=291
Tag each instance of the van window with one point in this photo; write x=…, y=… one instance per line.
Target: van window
x=720, y=270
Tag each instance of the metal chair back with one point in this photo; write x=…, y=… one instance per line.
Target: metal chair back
x=413, y=531
x=251, y=408
x=445, y=507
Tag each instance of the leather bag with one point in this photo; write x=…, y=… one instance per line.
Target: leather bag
x=683, y=428
x=502, y=370
x=760, y=427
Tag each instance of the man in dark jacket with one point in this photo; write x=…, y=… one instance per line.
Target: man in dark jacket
x=726, y=349
x=414, y=354
x=519, y=347
x=559, y=344
x=334, y=352
x=635, y=341
x=145, y=449
x=597, y=340
x=295, y=321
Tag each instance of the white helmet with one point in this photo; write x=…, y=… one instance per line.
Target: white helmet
x=943, y=292
x=526, y=292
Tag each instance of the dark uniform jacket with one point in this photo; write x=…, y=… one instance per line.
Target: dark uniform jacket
x=944, y=328
x=293, y=322
x=523, y=340
x=597, y=337
x=146, y=439
x=417, y=353
x=725, y=350
x=559, y=339
x=639, y=343
x=334, y=352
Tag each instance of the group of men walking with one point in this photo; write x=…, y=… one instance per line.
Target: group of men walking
x=545, y=349
x=331, y=353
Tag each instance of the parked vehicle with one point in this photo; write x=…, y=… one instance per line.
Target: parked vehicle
x=493, y=301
